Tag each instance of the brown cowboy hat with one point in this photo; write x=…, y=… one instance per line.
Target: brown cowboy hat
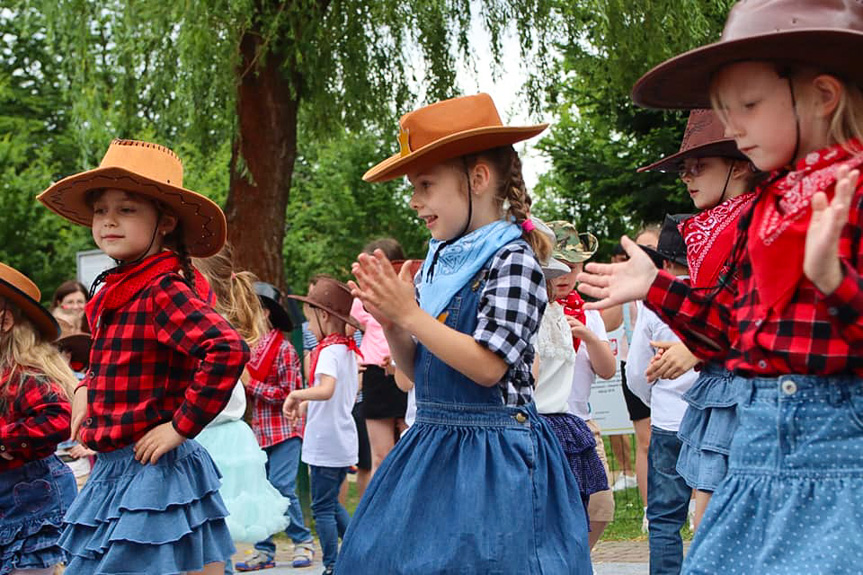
x=331, y=296
x=447, y=130
x=150, y=170
x=77, y=345
x=704, y=137
x=827, y=34
x=23, y=293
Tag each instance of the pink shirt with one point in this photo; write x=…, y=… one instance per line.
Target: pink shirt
x=374, y=345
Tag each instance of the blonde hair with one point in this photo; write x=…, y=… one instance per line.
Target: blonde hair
x=236, y=299
x=24, y=352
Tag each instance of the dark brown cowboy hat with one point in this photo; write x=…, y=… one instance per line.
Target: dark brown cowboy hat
x=447, y=130
x=827, y=34
x=77, y=345
x=25, y=295
x=704, y=137
x=332, y=296
x=150, y=170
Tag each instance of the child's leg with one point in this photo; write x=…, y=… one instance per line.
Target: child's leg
x=642, y=443
x=601, y=504
x=283, y=460
x=667, y=502
x=326, y=482
x=702, y=498
x=210, y=569
x=381, y=438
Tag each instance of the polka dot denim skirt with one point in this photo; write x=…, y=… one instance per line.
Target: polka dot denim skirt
x=792, y=501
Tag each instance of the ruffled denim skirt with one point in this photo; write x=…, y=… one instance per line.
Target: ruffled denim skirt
x=161, y=519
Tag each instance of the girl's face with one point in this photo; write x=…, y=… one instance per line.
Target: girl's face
x=706, y=180
x=127, y=226
x=756, y=107
x=73, y=302
x=648, y=238
x=564, y=284
x=440, y=200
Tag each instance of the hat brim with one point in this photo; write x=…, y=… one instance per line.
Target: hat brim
x=279, y=317
x=659, y=258
x=721, y=149
x=683, y=82
x=449, y=147
x=554, y=269
x=345, y=318
x=44, y=321
x=77, y=345
x=582, y=256
x=204, y=225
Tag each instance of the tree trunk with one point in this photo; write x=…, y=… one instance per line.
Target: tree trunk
x=262, y=161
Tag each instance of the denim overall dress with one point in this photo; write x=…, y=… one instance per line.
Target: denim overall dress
x=474, y=486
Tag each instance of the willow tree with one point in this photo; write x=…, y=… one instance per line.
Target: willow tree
x=259, y=75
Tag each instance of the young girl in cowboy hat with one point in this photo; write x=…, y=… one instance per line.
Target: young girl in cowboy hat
x=718, y=178
x=786, y=82
x=36, y=488
x=162, y=366
x=330, y=444
x=479, y=483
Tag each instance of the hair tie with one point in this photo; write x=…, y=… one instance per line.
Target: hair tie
x=527, y=226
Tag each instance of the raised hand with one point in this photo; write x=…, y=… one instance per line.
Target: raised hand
x=387, y=296
x=821, y=262
x=613, y=284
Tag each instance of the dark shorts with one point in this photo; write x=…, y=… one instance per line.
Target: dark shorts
x=382, y=399
x=636, y=408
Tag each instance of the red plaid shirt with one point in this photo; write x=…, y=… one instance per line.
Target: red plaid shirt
x=812, y=334
x=163, y=356
x=270, y=425
x=35, y=420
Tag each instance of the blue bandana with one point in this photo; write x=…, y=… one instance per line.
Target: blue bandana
x=460, y=261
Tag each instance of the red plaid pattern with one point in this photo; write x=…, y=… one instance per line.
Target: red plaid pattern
x=35, y=420
x=814, y=334
x=163, y=356
x=270, y=426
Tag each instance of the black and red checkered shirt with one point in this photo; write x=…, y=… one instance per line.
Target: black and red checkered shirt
x=269, y=423
x=34, y=419
x=163, y=356
x=811, y=334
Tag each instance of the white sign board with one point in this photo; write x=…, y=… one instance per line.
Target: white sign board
x=90, y=264
x=607, y=404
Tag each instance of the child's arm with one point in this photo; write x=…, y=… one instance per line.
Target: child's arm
x=288, y=378
x=640, y=354
x=599, y=352
x=44, y=422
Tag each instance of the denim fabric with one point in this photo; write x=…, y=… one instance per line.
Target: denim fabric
x=331, y=519
x=667, y=502
x=283, y=460
x=792, y=498
x=473, y=486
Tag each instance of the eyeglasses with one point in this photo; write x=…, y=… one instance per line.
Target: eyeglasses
x=692, y=171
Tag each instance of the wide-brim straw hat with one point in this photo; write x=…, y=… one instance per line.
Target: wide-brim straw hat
x=25, y=295
x=704, y=137
x=271, y=298
x=570, y=245
x=447, y=130
x=332, y=296
x=149, y=170
x=826, y=34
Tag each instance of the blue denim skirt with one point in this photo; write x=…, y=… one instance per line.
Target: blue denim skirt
x=470, y=489
x=33, y=500
x=707, y=428
x=131, y=518
x=792, y=499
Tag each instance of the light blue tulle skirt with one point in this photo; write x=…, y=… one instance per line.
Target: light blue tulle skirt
x=257, y=509
x=131, y=518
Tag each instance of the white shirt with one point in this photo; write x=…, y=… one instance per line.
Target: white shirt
x=584, y=376
x=556, y=361
x=664, y=396
x=411, y=412
x=331, y=435
x=236, y=408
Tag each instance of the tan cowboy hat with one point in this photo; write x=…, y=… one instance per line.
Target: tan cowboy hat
x=447, y=130
x=827, y=34
x=704, y=138
x=23, y=293
x=150, y=170
x=332, y=296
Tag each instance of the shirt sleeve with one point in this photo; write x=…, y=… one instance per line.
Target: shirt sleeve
x=511, y=304
x=45, y=414
x=186, y=324
x=640, y=354
x=328, y=362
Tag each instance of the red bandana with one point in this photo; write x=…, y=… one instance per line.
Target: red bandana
x=332, y=339
x=777, y=235
x=125, y=284
x=573, y=306
x=264, y=355
x=710, y=237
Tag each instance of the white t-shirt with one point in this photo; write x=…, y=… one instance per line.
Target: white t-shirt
x=411, y=413
x=235, y=409
x=584, y=376
x=556, y=361
x=331, y=435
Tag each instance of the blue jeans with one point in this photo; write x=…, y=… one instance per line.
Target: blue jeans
x=667, y=502
x=331, y=519
x=283, y=460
